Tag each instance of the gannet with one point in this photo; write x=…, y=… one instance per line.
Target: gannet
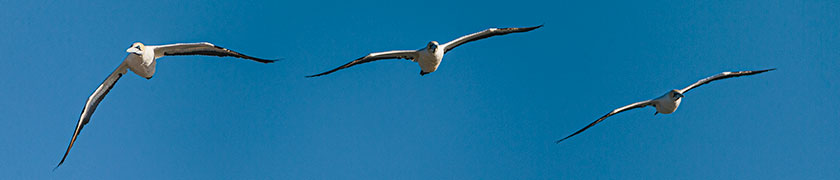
x=668, y=103
x=429, y=57
x=141, y=60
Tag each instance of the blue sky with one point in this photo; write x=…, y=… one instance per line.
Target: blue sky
x=491, y=111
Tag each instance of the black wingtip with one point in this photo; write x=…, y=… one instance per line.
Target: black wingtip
x=532, y=28
x=316, y=75
x=63, y=158
x=59, y=164
x=324, y=73
x=261, y=60
x=567, y=137
x=266, y=61
x=762, y=71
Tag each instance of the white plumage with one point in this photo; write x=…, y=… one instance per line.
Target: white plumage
x=142, y=60
x=429, y=57
x=668, y=103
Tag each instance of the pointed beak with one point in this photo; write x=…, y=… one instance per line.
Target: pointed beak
x=134, y=51
x=679, y=95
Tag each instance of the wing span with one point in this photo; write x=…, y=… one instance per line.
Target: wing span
x=398, y=54
x=723, y=75
x=616, y=111
x=484, y=34
x=203, y=48
x=93, y=102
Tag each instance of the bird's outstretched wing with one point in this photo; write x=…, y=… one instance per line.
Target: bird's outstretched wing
x=93, y=102
x=398, y=54
x=723, y=75
x=203, y=48
x=616, y=111
x=484, y=34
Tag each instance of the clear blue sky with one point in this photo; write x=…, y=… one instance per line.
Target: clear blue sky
x=492, y=110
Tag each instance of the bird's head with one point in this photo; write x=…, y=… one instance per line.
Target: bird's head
x=136, y=48
x=676, y=94
x=432, y=46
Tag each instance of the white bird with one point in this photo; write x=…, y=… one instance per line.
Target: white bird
x=668, y=103
x=430, y=56
x=141, y=60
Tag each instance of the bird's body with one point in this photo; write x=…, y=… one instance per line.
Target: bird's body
x=430, y=57
x=142, y=60
x=139, y=66
x=670, y=101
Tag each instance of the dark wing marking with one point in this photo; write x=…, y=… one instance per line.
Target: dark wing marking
x=616, y=111
x=723, y=75
x=206, y=49
x=484, y=34
x=398, y=54
x=92, y=103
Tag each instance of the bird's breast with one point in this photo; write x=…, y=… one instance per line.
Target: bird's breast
x=429, y=62
x=667, y=106
x=138, y=66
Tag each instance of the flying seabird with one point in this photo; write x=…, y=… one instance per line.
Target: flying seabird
x=141, y=61
x=668, y=103
x=430, y=56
